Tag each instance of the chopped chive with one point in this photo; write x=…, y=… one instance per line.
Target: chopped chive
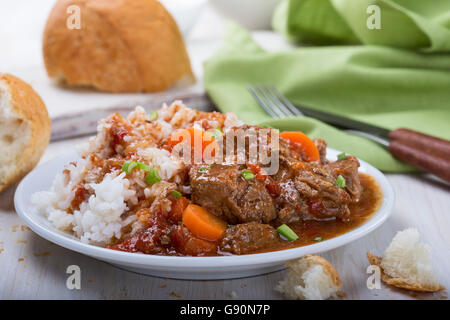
x=248, y=175
x=318, y=239
x=202, y=169
x=152, y=176
x=175, y=193
x=143, y=166
x=153, y=115
x=287, y=232
x=128, y=166
x=340, y=181
x=342, y=156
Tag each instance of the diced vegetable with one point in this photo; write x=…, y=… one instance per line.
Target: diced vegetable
x=175, y=194
x=152, y=176
x=287, y=232
x=153, y=116
x=191, y=133
x=202, y=223
x=340, y=181
x=342, y=156
x=248, y=174
x=318, y=239
x=128, y=166
x=304, y=143
x=202, y=169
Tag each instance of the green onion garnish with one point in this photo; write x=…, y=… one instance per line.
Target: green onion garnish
x=152, y=177
x=143, y=166
x=202, y=169
x=340, y=181
x=176, y=194
x=287, y=232
x=180, y=223
x=342, y=156
x=318, y=239
x=128, y=166
x=153, y=116
x=248, y=175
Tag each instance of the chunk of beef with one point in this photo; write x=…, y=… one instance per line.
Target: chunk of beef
x=248, y=237
x=322, y=147
x=348, y=168
x=223, y=191
x=325, y=199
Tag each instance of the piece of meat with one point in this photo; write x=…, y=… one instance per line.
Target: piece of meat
x=322, y=147
x=223, y=191
x=348, y=168
x=325, y=198
x=248, y=237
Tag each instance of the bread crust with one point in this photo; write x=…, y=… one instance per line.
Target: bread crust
x=29, y=107
x=399, y=282
x=122, y=46
x=327, y=267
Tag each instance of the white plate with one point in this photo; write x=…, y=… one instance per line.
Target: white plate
x=225, y=267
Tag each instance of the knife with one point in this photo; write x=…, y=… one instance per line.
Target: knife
x=423, y=151
x=80, y=124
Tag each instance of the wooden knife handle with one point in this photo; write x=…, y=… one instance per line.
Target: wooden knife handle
x=423, y=159
x=427, y=143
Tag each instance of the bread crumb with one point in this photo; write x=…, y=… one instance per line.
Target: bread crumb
x=90, y=281
x=1, y=250
x=310, y=278
x=20, y=259
x=14, y=227
x=233, y=295
x=21, y=241
x=163, y=286
x=43, y=254
x=407, y=263
x=173, y=294
x=24, y=228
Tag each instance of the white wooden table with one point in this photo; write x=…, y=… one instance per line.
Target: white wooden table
x=33, y=268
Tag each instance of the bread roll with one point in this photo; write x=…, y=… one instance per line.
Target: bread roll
x=24, y=129
x=122, y=46
x=310, y=278
x=407, y=263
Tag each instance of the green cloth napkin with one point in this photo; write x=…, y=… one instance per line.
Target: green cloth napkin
x=386, y=86
x=411, y=24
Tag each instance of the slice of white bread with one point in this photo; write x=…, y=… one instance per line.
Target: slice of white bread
x=24, y=129
x=407, y=263
x=310, y=278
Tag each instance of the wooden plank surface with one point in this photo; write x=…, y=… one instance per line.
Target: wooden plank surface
x=33, y=268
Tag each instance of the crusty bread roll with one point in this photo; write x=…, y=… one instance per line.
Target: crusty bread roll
x=407, y=263
x=24, y=129
x=310, y=278
x=122, y=46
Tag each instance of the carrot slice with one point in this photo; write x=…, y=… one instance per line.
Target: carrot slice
x=304, y=143
x=203, y=224
x=191, y=135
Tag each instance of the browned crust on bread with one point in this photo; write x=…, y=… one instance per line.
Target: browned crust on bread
x=29, y=107
x=122, y=46
x=327, y=267
x=399, y=282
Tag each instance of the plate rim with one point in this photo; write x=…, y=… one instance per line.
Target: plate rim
x=238, y=261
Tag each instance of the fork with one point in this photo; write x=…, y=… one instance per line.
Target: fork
x=425, y=152
x=278, y=106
